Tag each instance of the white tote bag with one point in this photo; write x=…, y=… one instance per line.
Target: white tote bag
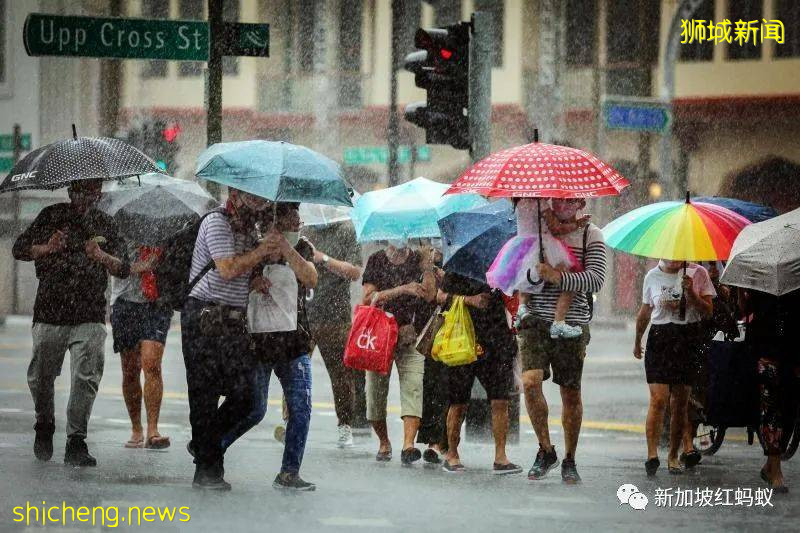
x=276, y=310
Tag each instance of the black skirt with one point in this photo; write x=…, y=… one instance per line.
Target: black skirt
x=671, y=353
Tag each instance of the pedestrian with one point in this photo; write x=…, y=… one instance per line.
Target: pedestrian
x=139, y=327
x=539, y=352
x=768, y=334
x=399, y=279
x=74, y=248
x=671, y=354
x=280, y=337
x=216, y=345
x=337, y=255
x=494, y=370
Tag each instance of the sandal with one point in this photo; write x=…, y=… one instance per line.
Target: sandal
x=651, y=466
x=383, y=457
x=134, y=443
x=430, y=456
x=157, y=442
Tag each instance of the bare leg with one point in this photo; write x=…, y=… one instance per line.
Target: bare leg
x=132, y=390
x=153, y=383
x=678, y=405
x=500, y=430
x=659, y=398
x=773, y=470
x=455, y=417
x=410, y=428
x=688, y=434
x=571, y=418
x=562, y=305
x=382, y=433
x=536, y=405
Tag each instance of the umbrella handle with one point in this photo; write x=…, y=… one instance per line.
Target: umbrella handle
x=682, y=305
x=534, y=283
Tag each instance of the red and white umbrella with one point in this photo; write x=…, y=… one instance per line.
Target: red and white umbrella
x=540, y=170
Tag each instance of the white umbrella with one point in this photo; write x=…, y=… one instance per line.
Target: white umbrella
x=766, y=256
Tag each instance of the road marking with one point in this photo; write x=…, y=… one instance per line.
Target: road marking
x=10, y=410
x=535, y=512
x=347, y=521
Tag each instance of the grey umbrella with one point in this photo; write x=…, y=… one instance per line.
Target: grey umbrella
x=766, y=256
x=151, y=208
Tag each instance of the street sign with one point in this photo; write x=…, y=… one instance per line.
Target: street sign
x=7, y=142
x=125, y=38
x=374, y=155
x=642, y=115
x=243, y=39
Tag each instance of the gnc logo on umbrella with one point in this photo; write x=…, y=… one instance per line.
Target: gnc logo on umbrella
x=25, y=176
x=366, y=341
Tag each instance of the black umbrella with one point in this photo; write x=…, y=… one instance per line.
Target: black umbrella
x=80, y=158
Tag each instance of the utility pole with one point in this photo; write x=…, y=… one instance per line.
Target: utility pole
x=324, y=66
x=213, y=82
x=480, y=86
x=546, y=112
x=16, y=204
x=393, y=130
x=110, y=85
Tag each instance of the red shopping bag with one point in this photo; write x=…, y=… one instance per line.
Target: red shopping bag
x=148, y=278
x=370, y=345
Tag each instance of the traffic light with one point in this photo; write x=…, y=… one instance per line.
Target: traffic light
x=157, y=139
x=441, y=67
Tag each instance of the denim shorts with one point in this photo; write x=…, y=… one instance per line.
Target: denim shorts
x=132, y=322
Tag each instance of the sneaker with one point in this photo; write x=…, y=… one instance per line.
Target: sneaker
x=292, y=482
x=502, y=470
x=691, y=459
x=569, y=474
x=77, y=453
x=345, y=437
x=209, y=479
x=452, y=469
x=280, y=434
x=522, y=312
x=43, y=443
x=431, y=456
x=651, y=466
x=410, y=455
x=562, y=330
x=543, y=463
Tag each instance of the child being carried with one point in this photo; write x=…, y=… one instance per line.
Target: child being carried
x=514, y=268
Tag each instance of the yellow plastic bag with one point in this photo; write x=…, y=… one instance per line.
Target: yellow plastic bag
x=455, y=342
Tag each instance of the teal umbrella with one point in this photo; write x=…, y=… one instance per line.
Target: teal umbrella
x=277, y=171
x=409, y=210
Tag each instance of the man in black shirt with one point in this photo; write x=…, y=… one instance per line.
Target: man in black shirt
x=74, y=248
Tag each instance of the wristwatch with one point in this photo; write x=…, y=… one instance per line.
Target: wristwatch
x=325, y=259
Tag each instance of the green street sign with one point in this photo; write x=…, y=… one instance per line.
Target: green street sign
x=124, y=38
x=244, y=39
x=6, y=163
x=374, y=155
x=7, y=142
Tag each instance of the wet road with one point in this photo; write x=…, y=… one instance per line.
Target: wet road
x=356, y=494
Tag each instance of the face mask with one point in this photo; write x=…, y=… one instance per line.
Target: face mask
x=293, y=237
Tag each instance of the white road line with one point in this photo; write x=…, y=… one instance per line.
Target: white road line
x=348, y=521
x=10, y=410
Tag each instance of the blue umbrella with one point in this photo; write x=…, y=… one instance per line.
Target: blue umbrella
x=471, y=239
x=749, y=210
x=277, y=171
x=409, y=210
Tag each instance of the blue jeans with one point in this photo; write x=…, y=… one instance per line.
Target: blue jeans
x=295, y=378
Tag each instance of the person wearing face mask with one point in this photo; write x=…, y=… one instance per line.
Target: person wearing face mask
x=279, y=342
x=670, y=356
x=399, y=279
x=216, y=345
x=74, y=247
x=539, y=352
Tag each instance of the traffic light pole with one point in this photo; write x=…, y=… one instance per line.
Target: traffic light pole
x=214, y=80
x=393, y=129
x=480, y=86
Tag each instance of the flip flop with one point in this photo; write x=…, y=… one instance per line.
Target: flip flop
x=134, y=443
x=157, y=442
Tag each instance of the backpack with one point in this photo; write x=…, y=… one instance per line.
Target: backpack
x=172, y=272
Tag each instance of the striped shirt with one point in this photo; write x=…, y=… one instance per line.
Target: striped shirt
x=543, y=304
x=217, y=240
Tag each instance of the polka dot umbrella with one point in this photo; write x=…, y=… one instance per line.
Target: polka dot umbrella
x=80, y=158
x=540, y=170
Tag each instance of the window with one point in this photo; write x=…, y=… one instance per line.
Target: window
x=788, y=12
x=447, y=12
x=581, y=32
x=3, y=50
x=230, y=13
x=155, y=9
x=190, y=10
x=633, y=31
x=496, y=8
x=745, y=10
x=700, y=51
x=305, y=35
x=350, y=18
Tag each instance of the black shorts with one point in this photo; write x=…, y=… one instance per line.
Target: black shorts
x=132, y=322
x=672, y=353
x=496, y=374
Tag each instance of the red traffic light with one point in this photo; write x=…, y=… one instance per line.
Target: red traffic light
x=445, y=53
x=171, y=133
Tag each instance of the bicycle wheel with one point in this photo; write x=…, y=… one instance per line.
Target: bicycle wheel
x=709, y=438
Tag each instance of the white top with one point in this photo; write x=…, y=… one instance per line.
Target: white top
x=660, y=287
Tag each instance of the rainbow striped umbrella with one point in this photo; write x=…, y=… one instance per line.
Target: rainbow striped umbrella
x=677, y=231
